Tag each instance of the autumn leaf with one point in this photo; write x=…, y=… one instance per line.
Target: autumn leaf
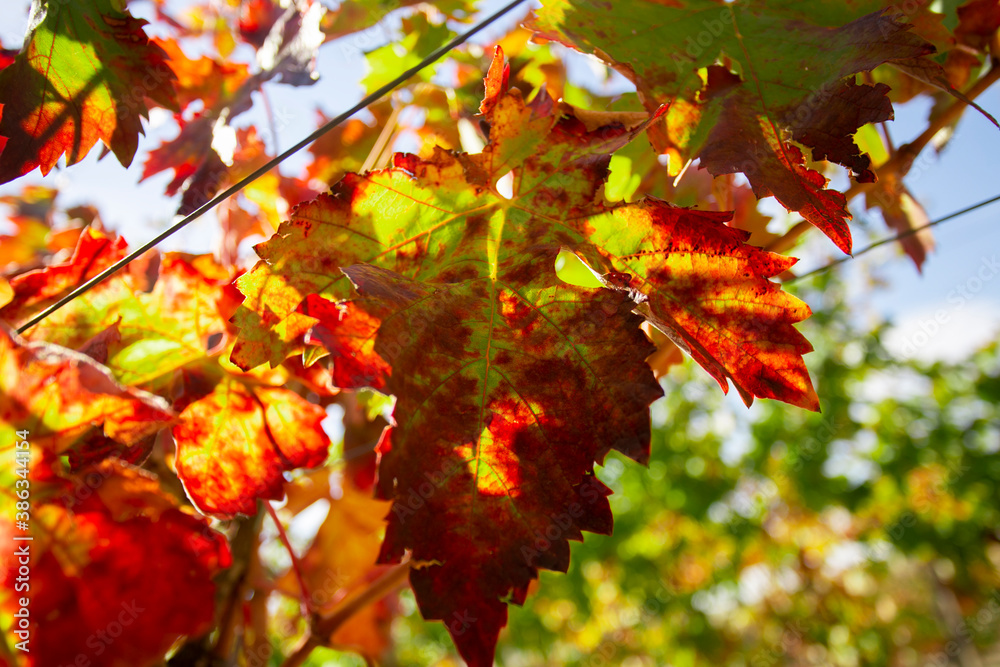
x=124, y=555
x=290, y=48
x=31, y=215
x=94, y=252
x=205, y=79
x=84, y=74
x=494, y=438
x=702, y=285
x=348, y=333
x=197, y=167
x=509, y=383
x=734, y=118
x=256, y=19
x=740, y=143
x=198, y=155
x=234, y=444
x=382, y=217
x=62, y=396
x=175, y=322
x=144, y=336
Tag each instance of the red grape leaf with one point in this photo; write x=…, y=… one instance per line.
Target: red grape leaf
x=94, y=252
x=348, y=333
x=507, y=392
x=509, y=383
x=287, y=54
x=383, y=217
x=292, y=43
x=84, y=74
x=123, y=556
x=61, y=395
x=735, y=122
x=160, y=330
x=30, y=214
x=702, y=285
x=206, y=79
x=193, y=160
x=234, y=444
x=256, y=19
x=741, y=142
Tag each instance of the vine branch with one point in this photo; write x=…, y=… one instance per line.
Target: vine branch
x=327, y=625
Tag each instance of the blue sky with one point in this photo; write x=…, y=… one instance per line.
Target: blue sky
x=953, y=306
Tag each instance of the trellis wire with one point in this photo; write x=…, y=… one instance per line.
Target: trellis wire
x=903, y=235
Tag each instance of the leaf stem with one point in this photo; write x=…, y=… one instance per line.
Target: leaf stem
x=233, y=580
x=383, y=139
x=327, y=625
x=305, y=599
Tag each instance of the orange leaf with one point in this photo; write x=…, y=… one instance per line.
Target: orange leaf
x=61, y=395
x=234, y=444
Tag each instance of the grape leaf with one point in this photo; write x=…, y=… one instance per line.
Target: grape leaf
x=287, y=53
x=61, y=396
x=509, y=383
x=162, y=329
x=289, y=50
x=194, y=161
x=348, y=333
x=144, y=336
x=124, y=555
x=94, y=252
x=84, y=74
x=234, y=444
x=507, y=392
x=780, y=73
x=704, y=287
x=31, y=214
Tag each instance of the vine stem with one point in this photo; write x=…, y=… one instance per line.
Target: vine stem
x=327, y=625
x=296, y=568
x=269, y=112
x=383, y=139
x=902, y=159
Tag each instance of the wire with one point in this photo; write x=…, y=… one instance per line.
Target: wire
x=909, y=232
x=232, y=190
